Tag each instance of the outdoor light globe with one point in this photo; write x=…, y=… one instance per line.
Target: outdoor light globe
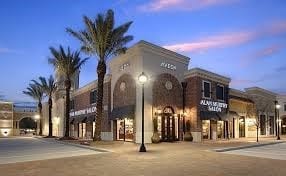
x=278, y=106
x=37, y=117
x=142, y=78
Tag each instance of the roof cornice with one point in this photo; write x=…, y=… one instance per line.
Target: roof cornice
x=207, y=75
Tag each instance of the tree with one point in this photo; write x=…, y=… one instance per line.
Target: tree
x=67, y=63
x=37, y=93
x=254, y=110
x=49, y=87
x=101, y=38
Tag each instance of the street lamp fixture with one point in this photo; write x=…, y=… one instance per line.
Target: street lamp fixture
x=37, y=117
x=142, y=80
x=277, y=107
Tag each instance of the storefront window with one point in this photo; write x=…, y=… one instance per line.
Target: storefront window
x=84, y=130
x=271, y=124
x=262, y=121
x=159, y=119
x=125, y=130
x=206, y=129
x=242, y=126
x=220, y=129
x=80, y=130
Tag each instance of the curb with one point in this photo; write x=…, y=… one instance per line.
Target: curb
x=247, y=146
x=83, y=146
x=76, y=145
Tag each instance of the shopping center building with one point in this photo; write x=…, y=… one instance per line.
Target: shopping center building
x=173, y=95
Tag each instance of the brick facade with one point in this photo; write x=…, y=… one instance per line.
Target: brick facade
x=164, y=96
x=82, y=101
x=194, y=94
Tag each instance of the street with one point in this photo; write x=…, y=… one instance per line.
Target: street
x=276, y=151
x=21, y=149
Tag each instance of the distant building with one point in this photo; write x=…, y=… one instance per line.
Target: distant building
x=11, y=114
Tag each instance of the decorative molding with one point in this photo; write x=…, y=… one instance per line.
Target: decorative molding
x=207, y=75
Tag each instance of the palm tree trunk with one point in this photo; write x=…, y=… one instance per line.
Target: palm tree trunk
x=50, y=117
x=68, y=88
x=101, y=70
x=40, y=113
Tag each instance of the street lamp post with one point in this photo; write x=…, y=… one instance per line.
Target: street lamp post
x=142, y=79
x=277, y=107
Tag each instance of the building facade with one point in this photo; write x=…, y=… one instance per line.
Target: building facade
x=173, y=94
x=6, y=119
x=282, y=113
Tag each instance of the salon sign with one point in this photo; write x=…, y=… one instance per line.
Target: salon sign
x=214, y=105
x=83, y=111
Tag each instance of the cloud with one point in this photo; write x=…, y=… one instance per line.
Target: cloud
x=229, y=39
x=281, y=69
x=217, y=41
x=259, y=54
x=159, y=5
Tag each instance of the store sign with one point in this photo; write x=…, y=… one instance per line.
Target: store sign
x=168, y=66
x=83, y=111
x=214, y=105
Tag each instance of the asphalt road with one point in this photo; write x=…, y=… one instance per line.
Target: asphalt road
x=275, y=151
x=22, y=149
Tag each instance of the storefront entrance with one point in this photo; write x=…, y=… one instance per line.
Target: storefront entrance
x=242, y=126
x=125, y=130
x=168, y=125
x=283, y=125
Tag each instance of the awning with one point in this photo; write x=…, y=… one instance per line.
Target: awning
x=91, y=118
x=71, y=120
x=208, y=115
x=123, y=112
x=84, y=120
x=80, y=119
x=233, y=114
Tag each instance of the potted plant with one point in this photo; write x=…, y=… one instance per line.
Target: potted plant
x=155, y=138
x=188, y=135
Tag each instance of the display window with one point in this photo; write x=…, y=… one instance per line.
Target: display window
x=125, y=130
x=206, y=129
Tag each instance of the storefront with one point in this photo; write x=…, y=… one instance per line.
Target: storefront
x=173, y=94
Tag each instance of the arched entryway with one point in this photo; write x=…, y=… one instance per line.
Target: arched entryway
x=27, y=125
x=283, y=125
x=169, y=124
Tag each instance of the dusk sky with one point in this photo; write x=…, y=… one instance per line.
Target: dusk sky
x=242, y=39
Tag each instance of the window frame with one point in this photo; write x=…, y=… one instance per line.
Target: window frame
x=91, y=98
x=203, y=89
x=223, y=92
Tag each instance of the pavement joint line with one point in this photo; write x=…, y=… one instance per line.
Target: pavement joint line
x=79, y=145
x=247, y=146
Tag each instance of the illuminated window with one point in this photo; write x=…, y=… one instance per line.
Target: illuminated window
x=220, y=92
x=206, y=89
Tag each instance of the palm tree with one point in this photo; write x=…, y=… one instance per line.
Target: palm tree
x=67, y=63
x=37, y=93
x=49, y=87
x=102, y=39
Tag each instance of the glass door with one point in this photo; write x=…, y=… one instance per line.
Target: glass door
x=242, y=127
